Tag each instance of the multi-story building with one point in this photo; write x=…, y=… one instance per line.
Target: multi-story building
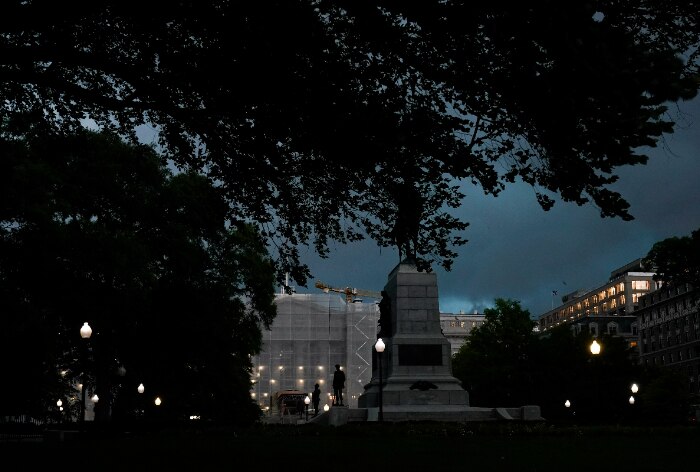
x=456, y=327
x=607, y=308
x=670, y=331
x=310, y=335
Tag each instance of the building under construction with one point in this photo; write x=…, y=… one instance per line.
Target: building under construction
x=310, y=335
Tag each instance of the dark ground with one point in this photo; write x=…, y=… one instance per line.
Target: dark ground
x=368, y=447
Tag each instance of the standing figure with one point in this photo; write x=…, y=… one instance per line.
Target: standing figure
x=338, y=385
x=316, y=398
x=300, y=407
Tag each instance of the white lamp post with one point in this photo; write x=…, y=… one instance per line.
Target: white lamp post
x=142, y=410
x=85, y=333
x=631, y=400
x=307, y=400
x=379, y=346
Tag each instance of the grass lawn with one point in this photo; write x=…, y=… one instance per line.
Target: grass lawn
x=373, y=446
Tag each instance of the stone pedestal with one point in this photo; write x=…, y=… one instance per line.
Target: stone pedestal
x=416, y=368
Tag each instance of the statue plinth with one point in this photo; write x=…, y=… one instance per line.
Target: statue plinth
x=417, y=361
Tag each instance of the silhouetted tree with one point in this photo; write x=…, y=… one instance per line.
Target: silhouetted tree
x=663, y=396
x=301, y=110
x=676, y=260
x=494, y=364
x=93, y=229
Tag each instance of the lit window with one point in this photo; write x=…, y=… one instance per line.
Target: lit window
x=640, y=285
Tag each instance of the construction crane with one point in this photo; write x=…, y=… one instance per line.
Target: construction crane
x=350, y=293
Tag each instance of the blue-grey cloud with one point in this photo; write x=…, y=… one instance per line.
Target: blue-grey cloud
x=516, y=250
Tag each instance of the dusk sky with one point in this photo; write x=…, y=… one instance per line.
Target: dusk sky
x=517, y=250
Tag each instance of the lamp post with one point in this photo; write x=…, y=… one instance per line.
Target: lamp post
x=595, y=348
x=634, y=388
x=59, y=405
x=85, y=333
x=307, y=400
x=379, y=346
x=141, y=389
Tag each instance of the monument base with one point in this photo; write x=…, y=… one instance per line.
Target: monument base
x=415, y=368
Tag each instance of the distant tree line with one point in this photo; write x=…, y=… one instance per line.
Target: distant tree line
x=504, y=362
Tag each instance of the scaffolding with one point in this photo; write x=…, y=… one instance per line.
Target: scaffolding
x=312, y=333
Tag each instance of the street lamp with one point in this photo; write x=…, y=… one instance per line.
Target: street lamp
x=141, y=389
x=635, y=389
x=595, y=350
x=567, y=403
x=85, y=333
x=307, y=400
x=326, y=407
x=157, y=401
x=379, y=346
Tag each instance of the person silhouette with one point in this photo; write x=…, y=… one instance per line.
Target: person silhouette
x=316, y=398
x=300, y=407
x=338, y=385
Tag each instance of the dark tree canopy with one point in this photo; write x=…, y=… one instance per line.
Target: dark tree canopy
x=504, y=363
x=494, y=364
x=304, y=111
x=93, y=229
x=676, y=260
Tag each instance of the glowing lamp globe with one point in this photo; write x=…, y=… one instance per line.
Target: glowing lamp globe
x=85, y=331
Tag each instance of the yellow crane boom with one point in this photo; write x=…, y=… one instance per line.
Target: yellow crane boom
x=350, y=292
